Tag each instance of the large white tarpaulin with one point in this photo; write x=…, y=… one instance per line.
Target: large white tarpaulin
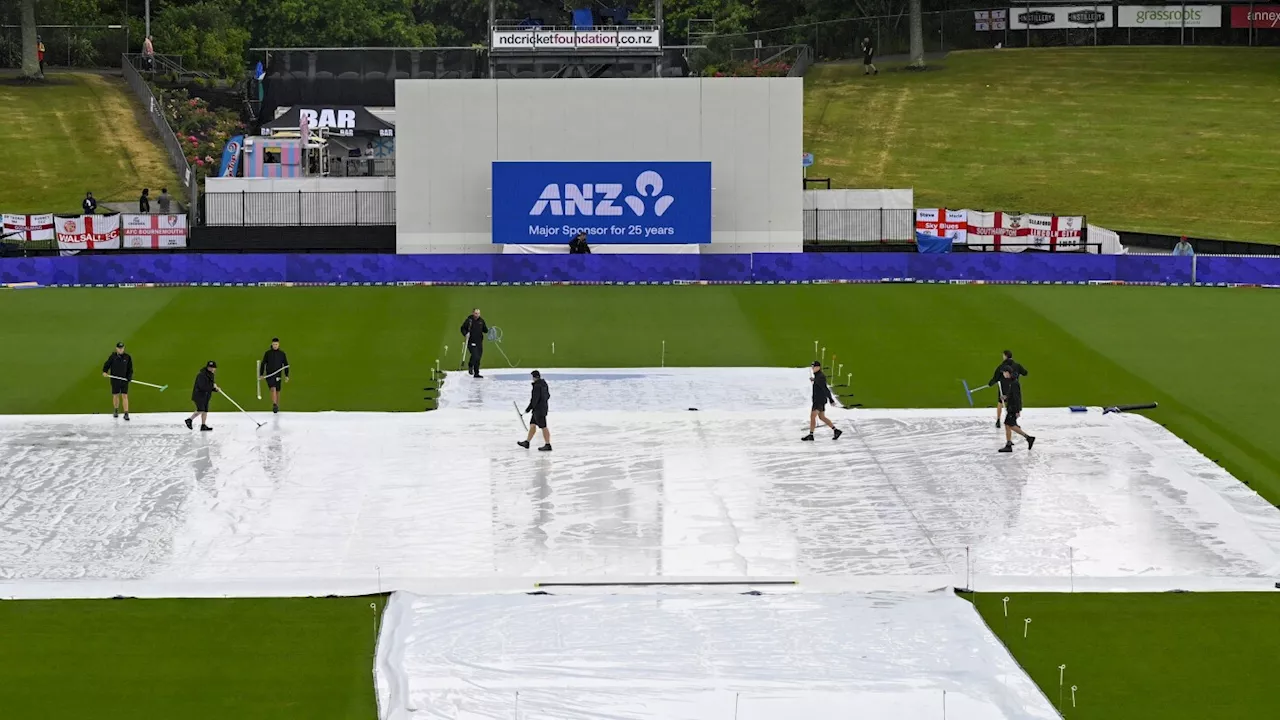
x=640, y=485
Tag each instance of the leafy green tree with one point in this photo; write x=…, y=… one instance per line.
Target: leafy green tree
x=205, y=33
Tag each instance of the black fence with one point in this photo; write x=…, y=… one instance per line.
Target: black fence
x=868, y=226
x=350, y=208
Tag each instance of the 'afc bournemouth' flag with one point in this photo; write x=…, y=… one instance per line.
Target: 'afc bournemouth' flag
x=27, y=227
x=156, y=232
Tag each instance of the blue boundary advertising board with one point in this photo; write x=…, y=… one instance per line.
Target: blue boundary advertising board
x=621, y=203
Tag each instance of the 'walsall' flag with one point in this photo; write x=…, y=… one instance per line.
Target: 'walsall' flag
x=28, y=227
x=157, y=232
x=88, y=232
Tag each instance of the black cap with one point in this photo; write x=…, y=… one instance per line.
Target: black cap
x=120, y=345
x=536, y=374
x=211, y=364
x=275, y=339
x=816, y=364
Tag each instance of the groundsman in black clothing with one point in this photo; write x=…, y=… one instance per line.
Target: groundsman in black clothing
x=821, y=396
x=119, y=368
x=1012, y=390
x=275, y=365
x=539, y=401
x=998, y=382
x=202, y=393
x=473, y=330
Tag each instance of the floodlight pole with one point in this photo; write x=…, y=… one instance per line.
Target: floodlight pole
x=148, y=19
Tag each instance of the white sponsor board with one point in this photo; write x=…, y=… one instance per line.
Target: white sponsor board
x=27, y=227
x=88, y=232
x=1061, y=18
x=158, y=232
x=595, y=39
x=1170, y=16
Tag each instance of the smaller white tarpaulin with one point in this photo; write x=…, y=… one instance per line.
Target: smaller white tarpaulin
x=688, y=656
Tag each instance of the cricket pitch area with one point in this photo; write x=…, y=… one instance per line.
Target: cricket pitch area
x=682, y=477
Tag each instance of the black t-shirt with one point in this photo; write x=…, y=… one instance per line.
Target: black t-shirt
x=867, y=51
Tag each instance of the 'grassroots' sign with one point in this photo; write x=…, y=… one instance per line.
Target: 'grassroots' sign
x=1170, y=16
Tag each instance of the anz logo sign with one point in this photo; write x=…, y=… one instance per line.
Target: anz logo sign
x=601, y=199
x=612, y=202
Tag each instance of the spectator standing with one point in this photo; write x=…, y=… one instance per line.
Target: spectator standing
x=368, y=158
x=89, y=204
x=40, y=52
x=148, y=55
x=1183, y=248
x=868, y=58
x=163, y=201
x=144, y=202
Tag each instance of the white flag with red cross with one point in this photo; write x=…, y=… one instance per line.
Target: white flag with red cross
x=27, y=227
x=157, y=232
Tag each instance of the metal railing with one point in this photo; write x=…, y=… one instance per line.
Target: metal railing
x=288, y=209
x=874, y=225
x=155, y=111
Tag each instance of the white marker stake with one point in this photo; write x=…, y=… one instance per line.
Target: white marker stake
x=257, y=372
x=1073, y=696
x=1062, y=669
x=1006, y=608
x=664, y=353
x=1025, y=625
x=823, y=357
x=849, y=381
x=839, y=369
x=815, y=347
x=553, y=348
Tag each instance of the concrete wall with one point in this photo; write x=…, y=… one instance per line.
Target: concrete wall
x=448, y=132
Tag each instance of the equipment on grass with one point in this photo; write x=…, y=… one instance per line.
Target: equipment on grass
x=1129, y=408
x=233, y=402
x=519, y=414
x=161, y=388
x=462, y=359
x=495, y=336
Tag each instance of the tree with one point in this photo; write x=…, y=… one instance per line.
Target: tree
x=917, y=36
x=30, y=61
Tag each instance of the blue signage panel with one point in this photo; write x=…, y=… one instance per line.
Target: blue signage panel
x=622, y=203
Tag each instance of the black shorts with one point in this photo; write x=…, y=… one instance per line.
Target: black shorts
x=819, y=407
x=867, y=61
x=274, y=382
x=1011, y=420
x=119, y=387
x=202, y=404
x=539, y=419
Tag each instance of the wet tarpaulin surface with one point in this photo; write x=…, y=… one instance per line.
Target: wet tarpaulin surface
x=687, y=656
x=638, y=487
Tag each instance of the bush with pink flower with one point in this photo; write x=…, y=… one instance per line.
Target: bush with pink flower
x=202, y=130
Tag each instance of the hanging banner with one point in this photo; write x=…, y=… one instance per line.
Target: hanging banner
x=88, y=232
x=157, y=232
x=231, y=156
x=1061, y=18
x=28, y=227
x=943, y=223
x=1170, y=16
x=1259, y=17
x=1015, y=232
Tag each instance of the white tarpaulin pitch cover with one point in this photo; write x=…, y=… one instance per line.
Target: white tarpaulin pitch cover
x=638, y=486
x=685, y=656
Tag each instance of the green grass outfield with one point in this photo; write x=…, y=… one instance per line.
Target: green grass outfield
x=77, y=132
x=1173, y=656
x=1206, y=355
x=188, y=659
x=1176, y=140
